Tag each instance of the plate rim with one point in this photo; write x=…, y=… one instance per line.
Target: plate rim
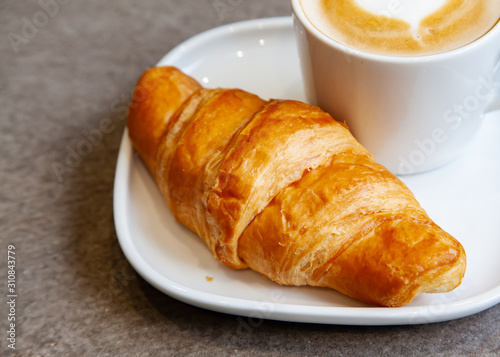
x=335, y=315
x=266, y=23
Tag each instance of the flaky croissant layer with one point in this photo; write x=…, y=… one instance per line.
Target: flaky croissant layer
x=282, y=188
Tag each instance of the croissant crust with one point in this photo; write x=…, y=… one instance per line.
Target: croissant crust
x=281, y=187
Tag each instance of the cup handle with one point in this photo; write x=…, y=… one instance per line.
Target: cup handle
x=495, y=84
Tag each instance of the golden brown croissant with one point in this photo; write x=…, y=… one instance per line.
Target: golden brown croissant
x=282, y=188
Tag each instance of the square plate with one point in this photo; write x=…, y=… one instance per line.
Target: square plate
x=260, y=56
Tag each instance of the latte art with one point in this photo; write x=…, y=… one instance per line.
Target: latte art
x=410, y=11
x=403, y=27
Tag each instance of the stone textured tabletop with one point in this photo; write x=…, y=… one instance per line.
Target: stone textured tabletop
x=64, y=66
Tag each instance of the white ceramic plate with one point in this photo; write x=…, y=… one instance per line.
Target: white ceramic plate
x=260, y=56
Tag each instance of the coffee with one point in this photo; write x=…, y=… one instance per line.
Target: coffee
x=403, y=27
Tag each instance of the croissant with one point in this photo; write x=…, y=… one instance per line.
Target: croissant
x=280, y=187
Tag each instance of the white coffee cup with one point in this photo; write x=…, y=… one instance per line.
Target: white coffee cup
x=413, y=113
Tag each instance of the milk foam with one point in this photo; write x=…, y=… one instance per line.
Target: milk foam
x=410, y=11
x=403, y=27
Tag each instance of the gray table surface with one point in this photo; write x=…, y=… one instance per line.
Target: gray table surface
x=62, y=66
